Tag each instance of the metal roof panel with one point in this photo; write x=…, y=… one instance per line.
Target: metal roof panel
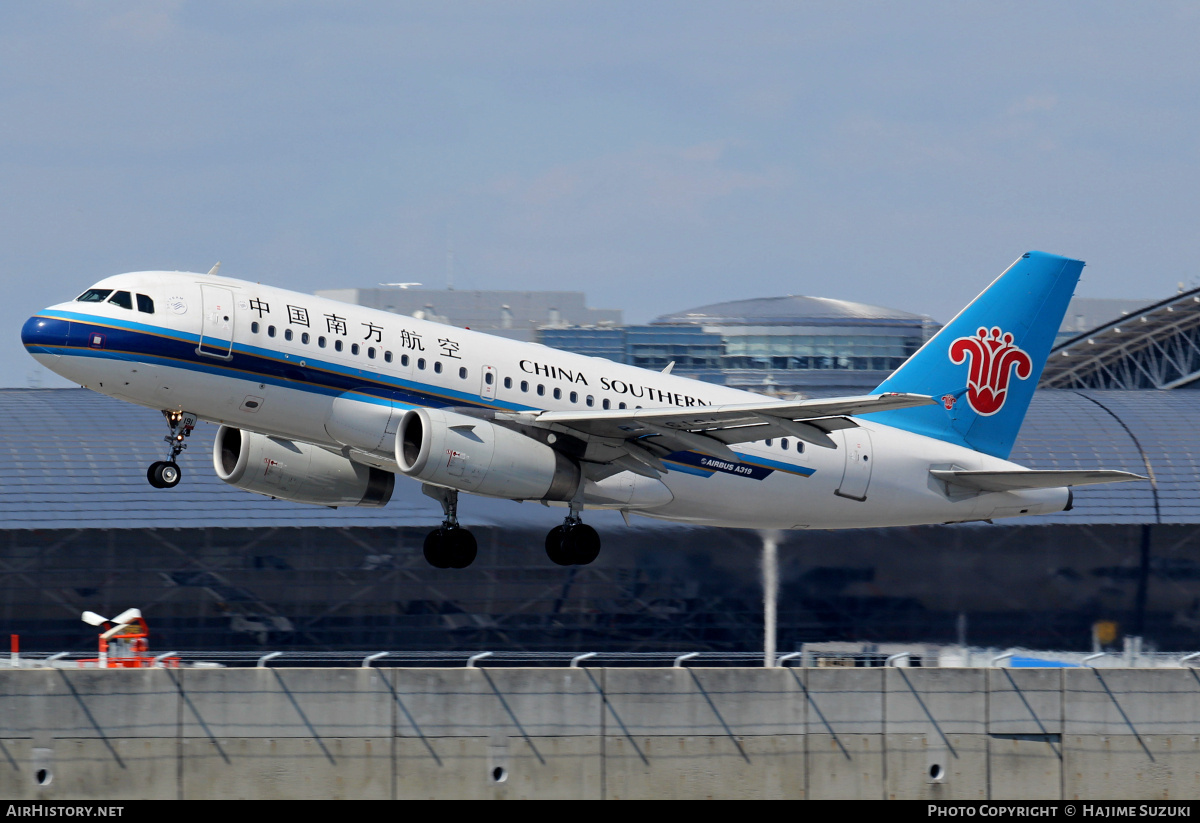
x=70, y=458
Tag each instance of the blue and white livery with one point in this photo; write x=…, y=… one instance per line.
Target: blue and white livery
x=326, y=403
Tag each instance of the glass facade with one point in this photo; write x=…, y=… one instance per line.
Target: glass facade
x=759, y=348
x=608, y=343
x=786, y=357
x=692, y=349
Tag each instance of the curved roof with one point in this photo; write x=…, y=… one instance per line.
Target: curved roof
x=1157, y=347
x=1151, y=433
x=791, y=310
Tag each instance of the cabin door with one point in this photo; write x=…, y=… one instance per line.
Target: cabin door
x=216, y=329
x=856, y=476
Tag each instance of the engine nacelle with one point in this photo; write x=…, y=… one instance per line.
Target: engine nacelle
x=474, y=455
x=300, y=472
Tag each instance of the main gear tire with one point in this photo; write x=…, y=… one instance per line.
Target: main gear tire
x=435, y=550
x=584, y=544
x=461, y=548
x=577, y=544
x=557, y=549
x=450, y=548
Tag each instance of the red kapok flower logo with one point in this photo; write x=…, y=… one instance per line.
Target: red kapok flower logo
x=994, y=358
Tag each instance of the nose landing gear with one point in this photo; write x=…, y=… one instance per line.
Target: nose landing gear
x=166, y=474
x=451, y=546
x=574, y=543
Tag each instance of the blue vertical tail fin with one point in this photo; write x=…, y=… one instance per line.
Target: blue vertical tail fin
x=985, y=363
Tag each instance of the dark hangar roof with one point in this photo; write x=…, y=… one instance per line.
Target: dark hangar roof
x=71, y=458
x=1151, y=433
x=792, y=310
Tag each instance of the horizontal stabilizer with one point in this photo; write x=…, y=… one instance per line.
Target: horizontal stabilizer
x=1011, y=481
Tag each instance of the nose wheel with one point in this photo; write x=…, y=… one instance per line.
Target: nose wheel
x=163, y=474
x=574, y=543
x=451, y=546
x=166, y=474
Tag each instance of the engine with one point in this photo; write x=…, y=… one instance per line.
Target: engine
x=473, y=455
x=300, y=472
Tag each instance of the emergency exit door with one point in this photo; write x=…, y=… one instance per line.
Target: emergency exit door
x=487, y=383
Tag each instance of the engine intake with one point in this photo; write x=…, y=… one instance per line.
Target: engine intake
x=300, y=472
x=473, y=455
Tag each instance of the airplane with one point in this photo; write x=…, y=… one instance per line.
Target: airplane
x=326, y=403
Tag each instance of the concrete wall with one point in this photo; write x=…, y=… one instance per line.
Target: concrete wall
x=600, y=733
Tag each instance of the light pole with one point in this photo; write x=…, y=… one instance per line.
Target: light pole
x=770, y=580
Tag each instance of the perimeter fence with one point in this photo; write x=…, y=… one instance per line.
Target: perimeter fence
x=818, y=656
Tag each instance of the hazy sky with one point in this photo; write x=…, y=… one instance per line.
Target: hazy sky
x=656, y=155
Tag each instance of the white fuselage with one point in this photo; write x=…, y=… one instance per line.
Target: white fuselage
x=251, y=356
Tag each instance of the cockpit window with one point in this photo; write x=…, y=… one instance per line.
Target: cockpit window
x=94, y=296
x=145, y=304
x=122, y=299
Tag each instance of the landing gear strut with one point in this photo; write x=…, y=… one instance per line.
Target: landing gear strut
x=451, y=546
x=165, y=474
x=574, y=543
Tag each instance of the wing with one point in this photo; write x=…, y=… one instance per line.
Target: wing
x=736, y=423
x=1007, y=481
x=635, y=439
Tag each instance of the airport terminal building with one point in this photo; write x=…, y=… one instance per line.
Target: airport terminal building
x=213, y=567
x=774, y=345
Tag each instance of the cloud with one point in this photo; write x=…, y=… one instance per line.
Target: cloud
x=150, y=21
x=658, y=182
x=1033, y=103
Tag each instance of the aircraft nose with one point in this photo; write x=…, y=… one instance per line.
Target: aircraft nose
x=41, y=333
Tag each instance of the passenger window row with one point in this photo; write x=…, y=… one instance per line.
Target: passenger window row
x=573, y=397
x=488, y=378
x=355, y=349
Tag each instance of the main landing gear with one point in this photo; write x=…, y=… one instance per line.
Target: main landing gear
x=451, y=546
x=574, y=543
x=165, y=474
